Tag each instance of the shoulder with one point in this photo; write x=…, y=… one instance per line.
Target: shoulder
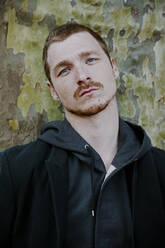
x=21, y=160
x=158, y=156
x=31, y=151
x=157, y=150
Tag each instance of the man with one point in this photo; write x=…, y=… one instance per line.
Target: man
x=91, y=180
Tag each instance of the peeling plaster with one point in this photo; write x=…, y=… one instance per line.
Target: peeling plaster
x=14, y=124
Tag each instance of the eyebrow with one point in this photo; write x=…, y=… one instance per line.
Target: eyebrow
x=67, y=62
x=84, y=54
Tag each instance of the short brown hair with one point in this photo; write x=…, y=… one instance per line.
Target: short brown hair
x=61, y=33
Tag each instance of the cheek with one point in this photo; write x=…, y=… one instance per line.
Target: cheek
x=65, y=92
x=103, y=71
x=67, y=86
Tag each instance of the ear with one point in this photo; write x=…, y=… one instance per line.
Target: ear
x=52, y=91
x=115, y=69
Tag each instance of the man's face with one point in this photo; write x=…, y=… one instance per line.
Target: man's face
x=81, y=74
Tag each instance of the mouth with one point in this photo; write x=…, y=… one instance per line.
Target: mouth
x=88, y=91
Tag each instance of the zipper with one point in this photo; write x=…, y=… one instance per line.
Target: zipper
x=87, y=147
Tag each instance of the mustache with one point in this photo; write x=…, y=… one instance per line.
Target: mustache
x=87, y=86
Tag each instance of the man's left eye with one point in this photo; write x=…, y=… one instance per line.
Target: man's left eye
x=90, y=60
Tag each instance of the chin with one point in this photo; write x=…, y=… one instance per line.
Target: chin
x=89, y=110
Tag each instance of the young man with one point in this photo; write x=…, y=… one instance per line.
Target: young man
x=92, y=180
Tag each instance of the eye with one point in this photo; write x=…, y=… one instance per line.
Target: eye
x=64, y=71
x=91, y=60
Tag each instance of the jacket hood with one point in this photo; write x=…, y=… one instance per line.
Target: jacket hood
x=133, y=142
x=61, y=134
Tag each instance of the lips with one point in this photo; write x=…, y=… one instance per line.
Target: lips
x=87, y=91
x=86, y=88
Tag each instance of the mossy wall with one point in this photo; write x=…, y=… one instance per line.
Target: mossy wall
x=135, y=33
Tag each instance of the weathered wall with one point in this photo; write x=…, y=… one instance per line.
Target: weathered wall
x=135, y=33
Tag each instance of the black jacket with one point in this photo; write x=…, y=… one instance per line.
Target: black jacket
x=33, y=194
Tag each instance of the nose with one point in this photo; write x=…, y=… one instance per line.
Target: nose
x=83, y=77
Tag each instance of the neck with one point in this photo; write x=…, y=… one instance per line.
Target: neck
x=99, y=130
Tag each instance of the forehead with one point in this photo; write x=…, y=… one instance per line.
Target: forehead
x=72, y=47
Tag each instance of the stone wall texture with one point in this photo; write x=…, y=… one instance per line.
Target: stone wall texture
x=135, y=33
